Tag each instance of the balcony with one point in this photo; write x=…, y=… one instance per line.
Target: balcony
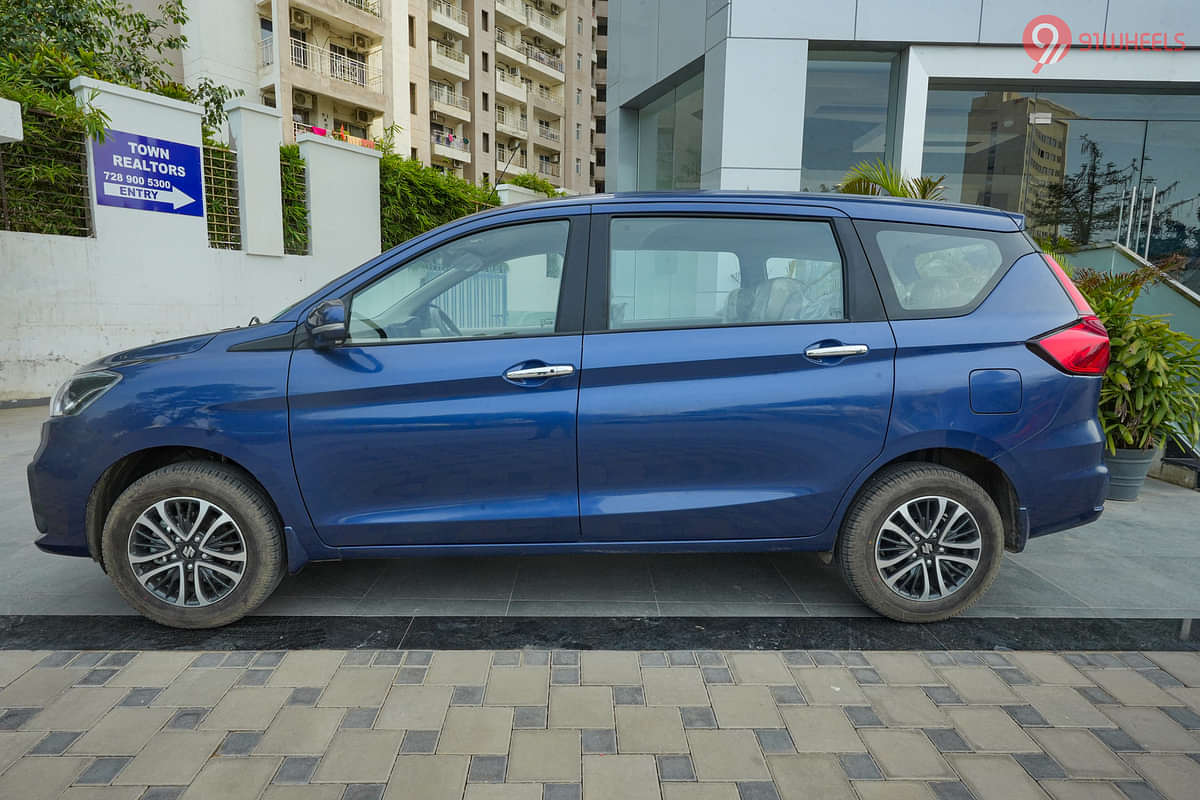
x=509, y=47
x=446, y=101
x=518, y=164
x=450, y=61
x=510, y=86
x=550, y=27
x=335, y=66
x=299, y=128
x=548, y=137
x=266, y=52
x=547, y=99
x=450, y=17
x=450, y=147
x=511, y=123
x=361, y=15
x=514, y=10
x=548, y=169
x=545, y=62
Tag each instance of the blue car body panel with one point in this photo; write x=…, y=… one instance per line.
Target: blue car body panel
x=685, y=439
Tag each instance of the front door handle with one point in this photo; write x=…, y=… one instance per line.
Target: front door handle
x=538, y=373
x=836, y=351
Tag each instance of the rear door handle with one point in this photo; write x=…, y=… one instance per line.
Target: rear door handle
x=836, y=351
x=538, y=373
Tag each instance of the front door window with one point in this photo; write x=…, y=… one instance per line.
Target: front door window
x=502, y=282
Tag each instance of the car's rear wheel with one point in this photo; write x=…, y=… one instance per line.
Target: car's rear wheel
x=194, y=545
x=921, y=543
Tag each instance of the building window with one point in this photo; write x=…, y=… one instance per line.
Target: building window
x=485, y=101
x=579, y=24
x=601, y=93
x=412, y=153
x=483, y=18
x=848, y=114
x=578, y=131
x=579, y=61
x=412, y=31
x=578, y=166
x=486, y=177
x=579, y=97
x=485, y=60
x=487, y=142
x=601, y=59
x=601, y=124
x=669, y=130
x=412, y=98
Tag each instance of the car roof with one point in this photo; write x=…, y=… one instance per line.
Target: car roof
x=889, y=209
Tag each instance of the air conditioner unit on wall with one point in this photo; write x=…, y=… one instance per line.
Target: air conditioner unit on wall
x=301, y=19
x=301, y=99
x=555, y=9
x=363, y=116
x=361, y=42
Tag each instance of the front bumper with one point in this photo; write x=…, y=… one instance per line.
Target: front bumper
x=58, y=491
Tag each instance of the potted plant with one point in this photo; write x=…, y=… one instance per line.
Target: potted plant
x=1150, y=390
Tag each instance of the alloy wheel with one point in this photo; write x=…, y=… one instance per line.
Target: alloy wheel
x=187, y=552
x=928, y=548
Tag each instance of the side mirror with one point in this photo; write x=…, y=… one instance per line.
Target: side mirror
x=326, y=324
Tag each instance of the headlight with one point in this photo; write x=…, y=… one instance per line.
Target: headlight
x=80, y=391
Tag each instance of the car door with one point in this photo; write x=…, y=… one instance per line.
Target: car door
x=737, y=372
x=448, y=415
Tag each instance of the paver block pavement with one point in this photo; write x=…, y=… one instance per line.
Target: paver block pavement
x=1080, y=753
x=232, y=779
x=581, y=707
x=359, y=756
x=650, y=729
x=517, y=686
x=822, y=729
x=744, y=707
x=620, y=778
x=171, y=758
x=905, y=754
x=727, y=755
x=549, y=756
x=806, y=776
x=476, y=731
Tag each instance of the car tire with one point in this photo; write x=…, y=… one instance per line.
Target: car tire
x=231, y=562
x=904, y=543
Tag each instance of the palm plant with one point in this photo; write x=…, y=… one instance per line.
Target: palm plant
x=881, y=178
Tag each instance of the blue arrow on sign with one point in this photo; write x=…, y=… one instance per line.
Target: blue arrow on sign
x=150, y=174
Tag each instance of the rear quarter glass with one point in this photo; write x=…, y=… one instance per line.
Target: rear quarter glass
x=928, y=271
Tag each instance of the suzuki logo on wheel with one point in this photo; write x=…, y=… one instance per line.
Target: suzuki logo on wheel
x=189, y=551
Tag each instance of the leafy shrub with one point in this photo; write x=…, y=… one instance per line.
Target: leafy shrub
x=1149, y=392
x=294, y=192
x=534, y=183
x=414, y=198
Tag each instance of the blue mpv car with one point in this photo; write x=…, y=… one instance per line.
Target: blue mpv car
x=909, y=388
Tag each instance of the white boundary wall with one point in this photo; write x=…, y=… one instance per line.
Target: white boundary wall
x=148, y=276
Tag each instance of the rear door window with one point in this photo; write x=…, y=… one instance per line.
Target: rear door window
x=686, y=272
x=934, y=271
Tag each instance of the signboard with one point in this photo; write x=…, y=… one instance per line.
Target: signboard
x=150, y=174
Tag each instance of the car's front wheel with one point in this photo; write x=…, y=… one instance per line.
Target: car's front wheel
x=194, y=545
x=921, y=543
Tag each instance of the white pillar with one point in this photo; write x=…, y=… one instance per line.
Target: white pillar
x=754, y=79
x=11, y=129
x=913, y=98
x=143, y=114
x=343, y=199
x=255, y=135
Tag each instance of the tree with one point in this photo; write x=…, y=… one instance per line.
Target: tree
x=1087, y=201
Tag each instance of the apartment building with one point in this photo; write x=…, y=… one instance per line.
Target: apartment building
x=598, y=175
x=483, y=89
x=501, y=87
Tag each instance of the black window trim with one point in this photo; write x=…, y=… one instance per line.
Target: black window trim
x=568, y=320
x=1013, y=245
x=861, y=300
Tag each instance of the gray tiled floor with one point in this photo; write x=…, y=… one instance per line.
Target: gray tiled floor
x=1140, y=560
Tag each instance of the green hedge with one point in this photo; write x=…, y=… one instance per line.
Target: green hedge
x=414, y=198
x=294, y=189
